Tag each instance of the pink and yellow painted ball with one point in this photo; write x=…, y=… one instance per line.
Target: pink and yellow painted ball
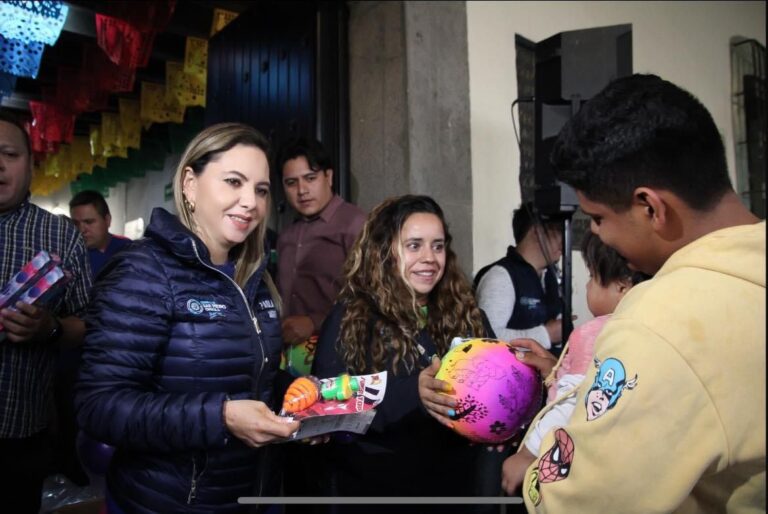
x=496, y=393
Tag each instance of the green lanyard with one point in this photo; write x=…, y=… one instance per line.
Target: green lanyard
x=423, y=313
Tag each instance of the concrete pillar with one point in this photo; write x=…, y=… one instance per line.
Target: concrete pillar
x=409, y=108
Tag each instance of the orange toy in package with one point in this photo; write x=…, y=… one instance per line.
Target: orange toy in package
x=345, y=403
x=305, y=391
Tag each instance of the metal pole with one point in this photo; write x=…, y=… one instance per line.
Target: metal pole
x=567, y=279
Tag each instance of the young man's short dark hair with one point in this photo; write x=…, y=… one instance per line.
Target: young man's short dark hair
x=11, y=118
x=642, y=131
x=311, y=149
x=90, y=198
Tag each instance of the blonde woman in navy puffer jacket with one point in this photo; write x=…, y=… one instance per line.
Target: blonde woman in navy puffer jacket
x=183, y=340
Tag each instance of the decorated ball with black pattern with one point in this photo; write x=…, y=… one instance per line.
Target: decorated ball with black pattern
x=496, y=394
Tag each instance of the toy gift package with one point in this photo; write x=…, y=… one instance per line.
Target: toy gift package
x=345, y=403
x=40, y=282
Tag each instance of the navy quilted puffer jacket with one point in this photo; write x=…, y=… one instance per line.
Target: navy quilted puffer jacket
x=169, y=339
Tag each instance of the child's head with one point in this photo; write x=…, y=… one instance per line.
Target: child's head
x=609, y=276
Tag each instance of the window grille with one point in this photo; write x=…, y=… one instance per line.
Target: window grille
x=749, y=120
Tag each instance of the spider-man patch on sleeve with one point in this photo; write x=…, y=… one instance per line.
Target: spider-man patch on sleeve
x=556, y=463
x=553, y=466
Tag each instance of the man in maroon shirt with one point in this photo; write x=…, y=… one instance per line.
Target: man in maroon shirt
x=311, y=252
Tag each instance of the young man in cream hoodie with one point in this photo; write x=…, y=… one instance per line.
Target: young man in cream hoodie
x=671, y=417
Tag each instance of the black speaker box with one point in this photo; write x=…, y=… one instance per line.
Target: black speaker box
x=571, y=67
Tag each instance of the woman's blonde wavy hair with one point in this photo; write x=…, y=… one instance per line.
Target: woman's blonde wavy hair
x=205, y=147
x=382, y=318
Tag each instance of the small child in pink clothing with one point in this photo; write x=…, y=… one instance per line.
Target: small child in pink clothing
x=577, y=355
x=609, y=281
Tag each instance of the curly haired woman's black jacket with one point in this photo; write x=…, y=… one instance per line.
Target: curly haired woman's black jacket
x=405, y=451
x=169, y=338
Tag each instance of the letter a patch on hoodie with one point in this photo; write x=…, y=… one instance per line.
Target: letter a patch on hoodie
x=610, y=382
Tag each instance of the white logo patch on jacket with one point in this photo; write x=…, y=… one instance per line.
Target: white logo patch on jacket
x=210, y=307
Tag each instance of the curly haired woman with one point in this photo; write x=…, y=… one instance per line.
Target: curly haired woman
x=404, y=300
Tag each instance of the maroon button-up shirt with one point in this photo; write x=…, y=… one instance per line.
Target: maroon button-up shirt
x=310, y=259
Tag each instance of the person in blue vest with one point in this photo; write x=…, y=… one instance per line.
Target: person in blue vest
x=520, y=295
x=90, y=213
x=519, y=292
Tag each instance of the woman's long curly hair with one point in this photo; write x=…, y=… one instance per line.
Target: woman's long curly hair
x=382, y=317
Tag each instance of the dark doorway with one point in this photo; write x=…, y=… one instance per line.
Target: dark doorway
x=282, y=67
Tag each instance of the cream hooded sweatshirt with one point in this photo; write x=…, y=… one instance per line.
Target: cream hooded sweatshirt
x=671, y=416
